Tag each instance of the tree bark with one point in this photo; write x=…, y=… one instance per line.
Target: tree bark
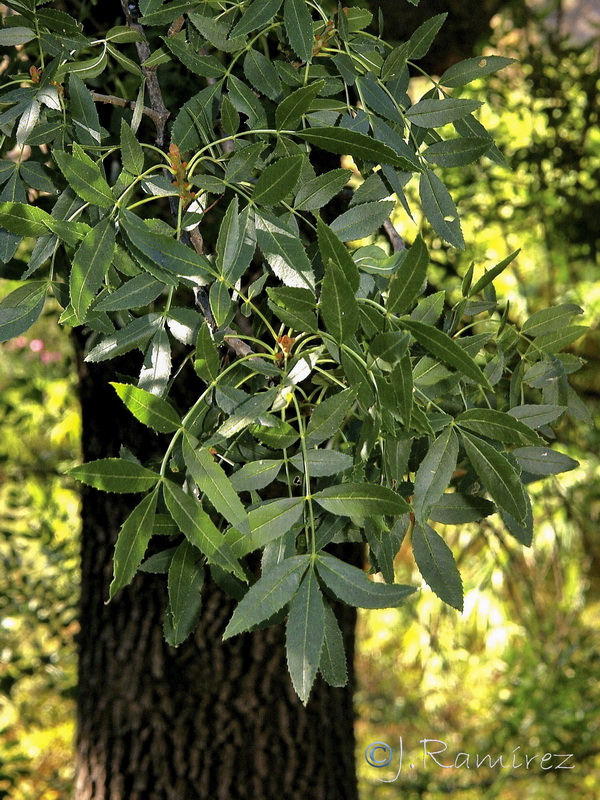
x=209, y=719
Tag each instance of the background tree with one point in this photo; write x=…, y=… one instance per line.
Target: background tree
x=151, y=708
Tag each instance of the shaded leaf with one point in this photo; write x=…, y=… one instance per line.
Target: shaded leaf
x=214, y=483
x=496, y=425
x=543, y=460
x=185, y=579
x=115, y=475
x=498, y=476
x=333, y=657
x=350, y=585
x=337, y=305
x=91, y=262
x=198, y=528
x=434, y=473
x=132, y=542
x=446, y=349
x=328, y=416
x=361, y=500
x=437, y=565
x=304, y=634
x=440, y=210
x=406, y=284
x=268, y=595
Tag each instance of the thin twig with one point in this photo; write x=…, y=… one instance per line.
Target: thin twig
x=156, y=99
x=396, y=240
x=122, y=103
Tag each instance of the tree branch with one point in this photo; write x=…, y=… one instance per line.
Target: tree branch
x=122, y=103
x=157, y=104
x=396, y=240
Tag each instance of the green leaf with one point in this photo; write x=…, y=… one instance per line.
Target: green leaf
x=167, y=12
x=327, y=417
x=83, y=112
x=350, y=585
x=362, y=220
x=185, y=580
x=132, y=153
x=10, y=37
x=543, y=460
x=294, y=307
x=84, y=177
x=214, y=483
x=432, y=113
x=319, y=463
x=242, y=163
x=91, y=262
x=206, y=66
x=337, y=305
x=333, y=249
x=498, y=476
x=333, y=657
x=361, y=500
x=278, y=180
x=422, y=39
x=196, y=119
x=262, y=74
x=457, y=152
x=170, y=255
x=207, y=362
x=115, y=475
x=137, y=292
x=151, y=410
x=473, y=68
x=136, y=334
x=268, y=595
x=556, y=341
x=299, y=28
x=21, y=308
x=550, y=320
x=437, y=565
x=132, y=542
x=246, y=413
x=351, y=143
x=256, y=15
x=215, y=31
x=406, y=284
x=456, y=509
x=496, y=425
x=446, y=349
x=271, y=520
x=440, y=210
x=489, y=276
x=256, y=475
x=434, y=473
x=304, y=634
x=291, y=110
x=316, y=193
x=284, y=252
x=198, y=528
x=535, y=416
x=27, y=220
x=230, y=240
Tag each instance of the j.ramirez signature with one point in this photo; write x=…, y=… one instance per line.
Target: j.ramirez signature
x=380, y=754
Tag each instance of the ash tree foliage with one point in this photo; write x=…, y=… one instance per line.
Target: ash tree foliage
x=338, y=399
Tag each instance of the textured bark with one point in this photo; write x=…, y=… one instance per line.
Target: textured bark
x=208, y=719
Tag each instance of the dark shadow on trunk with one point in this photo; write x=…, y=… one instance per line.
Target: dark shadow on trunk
x=208, y=719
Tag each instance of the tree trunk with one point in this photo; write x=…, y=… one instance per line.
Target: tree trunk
x=208, y=719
